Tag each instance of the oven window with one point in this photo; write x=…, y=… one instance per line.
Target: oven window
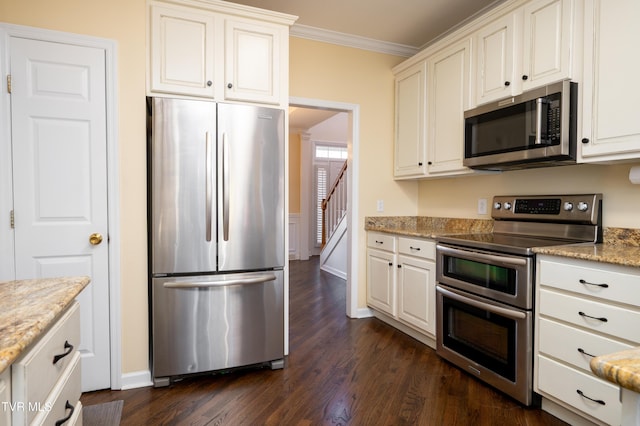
x=493, y=277
x=481, y=336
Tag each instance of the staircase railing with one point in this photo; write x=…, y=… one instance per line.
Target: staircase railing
x=334, y=207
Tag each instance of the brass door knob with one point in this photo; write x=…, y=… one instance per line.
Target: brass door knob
x=95, y=238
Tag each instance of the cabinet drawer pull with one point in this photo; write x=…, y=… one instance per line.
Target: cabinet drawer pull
x=379, y=242
x=68, y=349
x=599, y=401
x=597, y=285
x=67, y=406
x=582, y=314
x=583, y=352
x=414, y=248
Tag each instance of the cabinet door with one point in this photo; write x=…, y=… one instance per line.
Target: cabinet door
x=182, y=51
x=448, y=88
x=417, y=292
x=495, y=60
x=548, y=33
x=410, y=131
x=252, y=62
x=611, y=129
x=381, y=284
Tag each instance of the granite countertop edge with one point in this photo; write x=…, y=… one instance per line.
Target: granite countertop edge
x=28, y=308
x=621, y=368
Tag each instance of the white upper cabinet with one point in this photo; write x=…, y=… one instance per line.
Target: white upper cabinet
x=531, y=46
x=611, y=89
x=218, y=51
x=495, y=60
x=252, y=62
x=448, y=74
x=549, y=36
x=410, y=118
x=182, y=51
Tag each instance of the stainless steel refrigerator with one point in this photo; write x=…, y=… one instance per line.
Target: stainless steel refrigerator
x=216, y=236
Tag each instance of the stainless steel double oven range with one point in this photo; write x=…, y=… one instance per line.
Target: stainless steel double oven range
x=486, y=285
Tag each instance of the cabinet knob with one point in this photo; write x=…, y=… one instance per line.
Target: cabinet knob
x=429, y=163
x=507, y=83
x=525, y=77
x=209, y=83
x=390, y=263
x=420, y=163
x=585, y=140
x=229, y=85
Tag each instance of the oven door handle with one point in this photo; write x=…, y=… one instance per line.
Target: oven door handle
x=517, y=315
x=481, y=256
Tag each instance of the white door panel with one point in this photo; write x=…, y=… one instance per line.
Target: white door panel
x=58, y=113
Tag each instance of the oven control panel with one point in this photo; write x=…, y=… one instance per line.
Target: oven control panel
x=580, y=208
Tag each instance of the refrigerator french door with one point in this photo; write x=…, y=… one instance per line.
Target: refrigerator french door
x=216, y=236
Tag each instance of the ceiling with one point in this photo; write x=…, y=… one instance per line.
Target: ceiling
x=409, y=24
x=412, y=23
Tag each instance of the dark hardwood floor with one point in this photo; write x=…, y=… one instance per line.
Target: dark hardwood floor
x=340, y=371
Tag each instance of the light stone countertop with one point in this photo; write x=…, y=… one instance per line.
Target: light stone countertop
x=426, y=227
x=28, y=308
x=622, y=368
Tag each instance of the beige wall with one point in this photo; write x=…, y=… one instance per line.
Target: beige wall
x=123, y=21
x=342, y=74
x=458, y=197
x=294, y=172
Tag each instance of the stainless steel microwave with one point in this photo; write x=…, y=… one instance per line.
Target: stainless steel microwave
x=534, y=129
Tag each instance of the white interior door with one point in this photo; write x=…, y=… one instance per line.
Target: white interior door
x=58, y=118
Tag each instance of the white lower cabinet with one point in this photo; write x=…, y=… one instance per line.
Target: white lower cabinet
x=5, y=398
x=583, y=309
x=46, y=381
x=401, y=280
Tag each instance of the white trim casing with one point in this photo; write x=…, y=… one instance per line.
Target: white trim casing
x=113, y=192
x=294, y=236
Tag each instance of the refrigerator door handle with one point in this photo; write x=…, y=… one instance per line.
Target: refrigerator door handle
x=254, y=279
x=208, y=186
x=225, y=187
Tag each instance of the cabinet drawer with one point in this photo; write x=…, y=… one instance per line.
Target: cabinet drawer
x=564, y=342
x=66, y=390
x=419, y=248
x=381, y=241
x=34, y=374
x=616, y=321
x=581, y=278
x=563, y=383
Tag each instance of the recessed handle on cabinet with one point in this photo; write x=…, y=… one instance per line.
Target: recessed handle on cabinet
x=599, y=401
x=582, y=314
x=594, y=284
x=68, y=349
x=583, y=352
x=67, y=406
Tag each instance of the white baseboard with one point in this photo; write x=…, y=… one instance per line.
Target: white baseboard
x=137, y=379
x=334, y=271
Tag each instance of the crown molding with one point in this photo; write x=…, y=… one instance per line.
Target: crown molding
x=349, y=40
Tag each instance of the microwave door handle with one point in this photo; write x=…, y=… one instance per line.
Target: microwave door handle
x=539, y=103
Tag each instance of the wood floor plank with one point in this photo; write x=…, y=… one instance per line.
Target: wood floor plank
x=340, y=371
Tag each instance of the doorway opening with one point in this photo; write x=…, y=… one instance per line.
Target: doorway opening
x=319, y=109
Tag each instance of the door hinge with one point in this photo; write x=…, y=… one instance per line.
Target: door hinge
x=9, y=83
x=11, y=220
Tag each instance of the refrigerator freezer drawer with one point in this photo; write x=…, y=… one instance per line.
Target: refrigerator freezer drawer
x=216, y=322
